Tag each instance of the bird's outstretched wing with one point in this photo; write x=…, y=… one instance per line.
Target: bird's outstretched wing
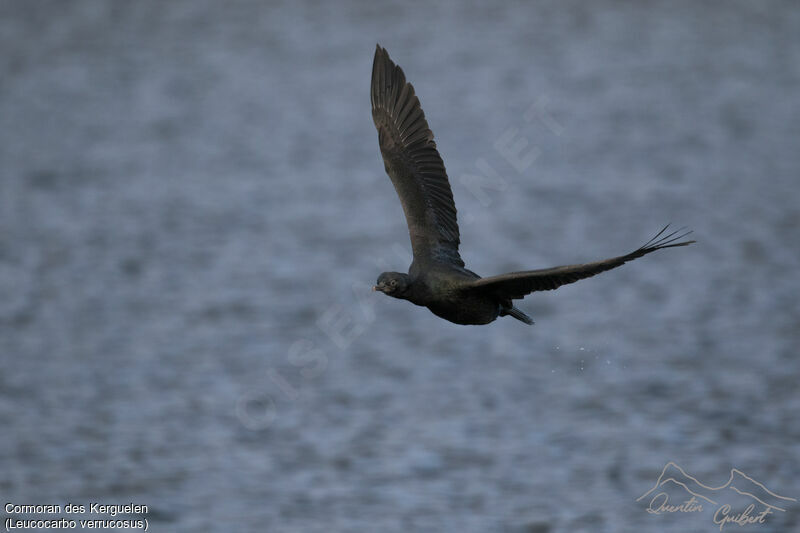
x=413, y=163
x=516, y=285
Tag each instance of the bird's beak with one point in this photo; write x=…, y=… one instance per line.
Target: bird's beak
x=374, y=288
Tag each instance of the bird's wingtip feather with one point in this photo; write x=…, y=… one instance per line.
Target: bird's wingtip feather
x=670, y=240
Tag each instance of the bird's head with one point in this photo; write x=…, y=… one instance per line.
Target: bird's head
x=392, y=283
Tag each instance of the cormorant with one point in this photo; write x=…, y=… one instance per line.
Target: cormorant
x=437, y=278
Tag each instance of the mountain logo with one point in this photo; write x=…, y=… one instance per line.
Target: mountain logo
x=741, y=500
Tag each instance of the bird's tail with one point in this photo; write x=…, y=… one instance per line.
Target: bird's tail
x=516, y=313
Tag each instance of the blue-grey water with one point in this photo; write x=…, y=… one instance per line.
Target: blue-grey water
x=193, y=208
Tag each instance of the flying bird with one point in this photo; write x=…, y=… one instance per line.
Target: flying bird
x=437, y=278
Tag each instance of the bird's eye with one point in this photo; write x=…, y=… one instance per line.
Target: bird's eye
x=393, y=282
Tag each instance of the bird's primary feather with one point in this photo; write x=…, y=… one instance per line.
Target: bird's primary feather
x=413, y=164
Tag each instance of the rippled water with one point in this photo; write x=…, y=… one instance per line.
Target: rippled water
x=193, y=208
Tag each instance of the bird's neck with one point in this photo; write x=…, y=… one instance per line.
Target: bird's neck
x=416, y=293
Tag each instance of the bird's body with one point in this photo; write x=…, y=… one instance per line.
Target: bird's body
x=444, y=289
x=438, y=278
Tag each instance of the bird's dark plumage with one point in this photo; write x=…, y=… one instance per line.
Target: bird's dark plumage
x=516, y=285
x=437, y=278
x=413, y=163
